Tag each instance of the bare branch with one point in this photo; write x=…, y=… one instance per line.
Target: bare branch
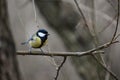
x=34, y=8
x=80, y=11
x=78, y=54
x=104, y=66
x=58, y=70
x=35, y=12
x=116, y=28
x=116, y=36
x=58, y=53
x=107, y=26
x=111, y=4
x=94, y=50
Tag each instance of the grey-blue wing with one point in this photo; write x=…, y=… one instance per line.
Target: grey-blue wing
x=26, y=42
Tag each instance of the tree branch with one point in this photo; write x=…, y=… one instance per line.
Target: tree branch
x=78, y=54
x=94, y=50
x=116, y=28
x=58, y=70
x=57, y=53
x=107, y=69
x=80, y=11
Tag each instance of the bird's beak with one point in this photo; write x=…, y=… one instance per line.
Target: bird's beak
x=48, y=34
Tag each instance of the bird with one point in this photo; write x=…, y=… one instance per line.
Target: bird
x=37, y=40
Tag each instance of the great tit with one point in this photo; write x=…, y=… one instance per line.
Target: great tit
x=38, y=40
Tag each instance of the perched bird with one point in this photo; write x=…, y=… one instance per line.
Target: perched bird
x=38, y=40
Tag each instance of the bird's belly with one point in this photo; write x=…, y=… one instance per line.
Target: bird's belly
x=35, y=44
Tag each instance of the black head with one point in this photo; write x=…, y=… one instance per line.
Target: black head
x=42, y=33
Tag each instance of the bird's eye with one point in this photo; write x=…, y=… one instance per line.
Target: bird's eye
x=41, y=34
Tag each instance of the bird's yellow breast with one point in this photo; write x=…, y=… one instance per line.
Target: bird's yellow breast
x=36, y=42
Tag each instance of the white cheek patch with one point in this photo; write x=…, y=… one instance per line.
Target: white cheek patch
x=41, y=34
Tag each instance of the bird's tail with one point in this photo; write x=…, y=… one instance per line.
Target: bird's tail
x=24, y=43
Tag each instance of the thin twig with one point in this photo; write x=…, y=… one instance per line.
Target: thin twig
x=116, y=36
x=58, y=70
x=107, y=75
x=111, y=5
x=34, y=8
x=116, y=28
x=95, y=37
x=35, y=13
x=18, y=14
x=80, y=11
x=93, y=17
x=107, y=26
x=104, y=66
x=113, y=38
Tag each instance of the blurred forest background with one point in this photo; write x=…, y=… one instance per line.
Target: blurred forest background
x=70, y=30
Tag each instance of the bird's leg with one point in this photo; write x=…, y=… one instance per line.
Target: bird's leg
x=42, y=51
x=30, y=49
